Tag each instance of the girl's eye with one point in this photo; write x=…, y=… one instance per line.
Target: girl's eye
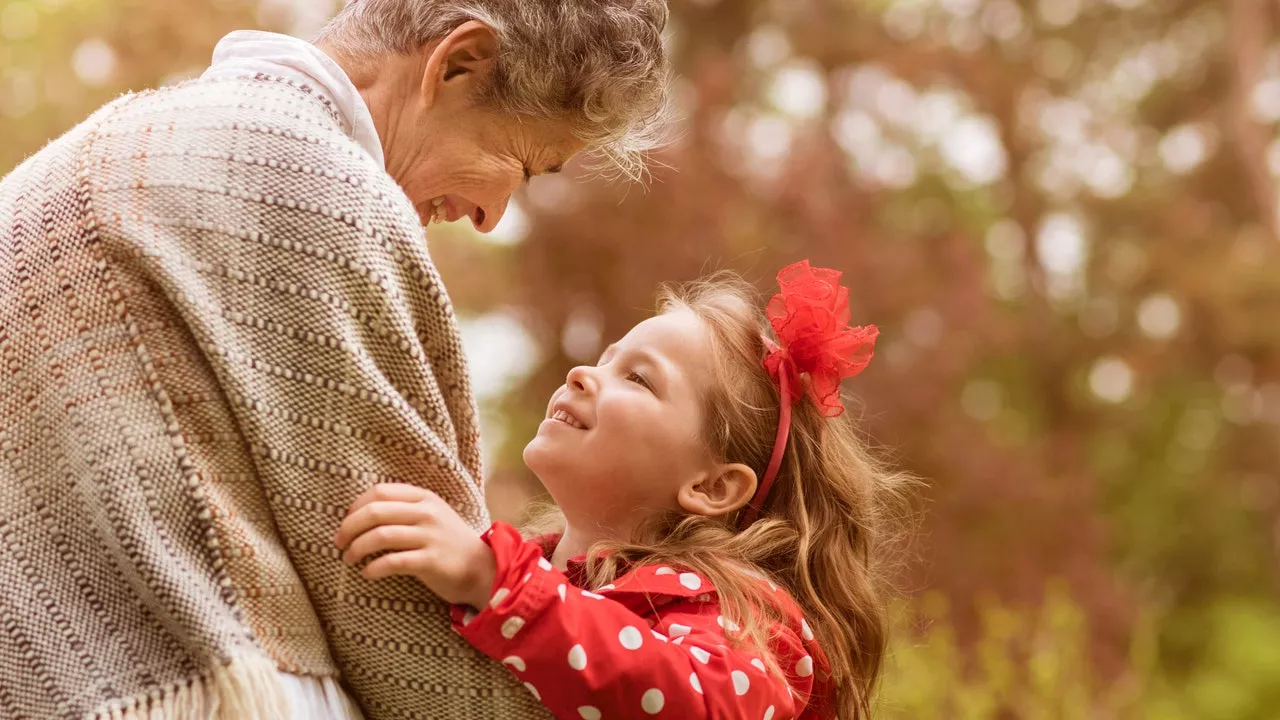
x=636, y=377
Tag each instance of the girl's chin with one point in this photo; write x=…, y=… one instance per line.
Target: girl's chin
x=546, y=460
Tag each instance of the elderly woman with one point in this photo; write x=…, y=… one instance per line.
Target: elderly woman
x=219, y=325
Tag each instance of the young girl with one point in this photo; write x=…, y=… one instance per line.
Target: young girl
x=721, y=522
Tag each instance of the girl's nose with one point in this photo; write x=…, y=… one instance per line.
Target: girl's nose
x=582, y=379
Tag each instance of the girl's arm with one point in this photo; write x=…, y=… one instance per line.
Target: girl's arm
x=586, y=656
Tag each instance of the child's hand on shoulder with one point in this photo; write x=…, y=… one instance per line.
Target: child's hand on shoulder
x=424, y=538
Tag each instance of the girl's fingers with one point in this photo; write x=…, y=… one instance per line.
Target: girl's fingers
x=382, y=539
x=380, y=512
x=408, y=562
x=388, y=492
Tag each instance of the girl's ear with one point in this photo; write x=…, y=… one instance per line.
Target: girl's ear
x=721, y=492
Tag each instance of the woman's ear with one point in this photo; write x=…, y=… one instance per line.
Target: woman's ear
x=721, y=492
x=461, y=61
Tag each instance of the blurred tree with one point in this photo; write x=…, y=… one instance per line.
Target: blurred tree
x=62, y=59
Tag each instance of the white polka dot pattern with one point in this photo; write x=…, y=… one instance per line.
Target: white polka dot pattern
x=630, y=638
x=653, y=701
x=498, y=597
x=804, y=668
x=577, y=658
x=741, y=683
x=511, y=626
x=582, y=644
x=727, y=624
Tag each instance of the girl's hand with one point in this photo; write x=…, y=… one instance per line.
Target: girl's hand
x=426, y=538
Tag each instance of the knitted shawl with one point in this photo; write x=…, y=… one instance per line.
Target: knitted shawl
x=219, y=324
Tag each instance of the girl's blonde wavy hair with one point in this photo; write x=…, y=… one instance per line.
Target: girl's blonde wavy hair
x=823, y=532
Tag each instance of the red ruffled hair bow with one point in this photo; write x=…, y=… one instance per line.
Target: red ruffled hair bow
x=810, y=318
x=816, y=349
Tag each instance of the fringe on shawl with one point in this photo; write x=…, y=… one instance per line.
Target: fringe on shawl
x=244, y=689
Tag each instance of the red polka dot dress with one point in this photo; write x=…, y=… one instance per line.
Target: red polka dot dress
x=654, y=644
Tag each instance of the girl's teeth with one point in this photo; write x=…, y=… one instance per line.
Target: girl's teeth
x=564, y=417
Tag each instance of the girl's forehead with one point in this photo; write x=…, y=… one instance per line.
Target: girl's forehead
x=679, y=337
x=675, y=330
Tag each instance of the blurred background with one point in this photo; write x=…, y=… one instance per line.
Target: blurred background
x=1061, y=213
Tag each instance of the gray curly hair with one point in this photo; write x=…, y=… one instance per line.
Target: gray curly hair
x=599, y=64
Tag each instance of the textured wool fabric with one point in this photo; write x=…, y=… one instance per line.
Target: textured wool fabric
x=219, y=324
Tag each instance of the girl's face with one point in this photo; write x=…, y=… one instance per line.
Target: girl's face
x=622, y=438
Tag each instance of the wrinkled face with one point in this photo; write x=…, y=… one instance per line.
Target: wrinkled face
x=466, y=161
x=621, y=437
x=452, y=154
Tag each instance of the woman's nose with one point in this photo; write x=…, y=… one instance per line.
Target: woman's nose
x=485, y=219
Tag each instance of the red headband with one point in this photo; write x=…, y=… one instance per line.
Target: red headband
x=816, y=349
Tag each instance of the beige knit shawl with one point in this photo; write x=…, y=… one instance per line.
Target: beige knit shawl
x=218, y=325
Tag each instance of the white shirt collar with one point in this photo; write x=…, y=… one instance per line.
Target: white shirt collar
x=248, y=52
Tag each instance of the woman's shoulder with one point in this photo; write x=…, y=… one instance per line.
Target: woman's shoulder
x=262, y=125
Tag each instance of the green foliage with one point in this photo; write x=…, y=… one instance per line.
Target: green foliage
x=1041, y=662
